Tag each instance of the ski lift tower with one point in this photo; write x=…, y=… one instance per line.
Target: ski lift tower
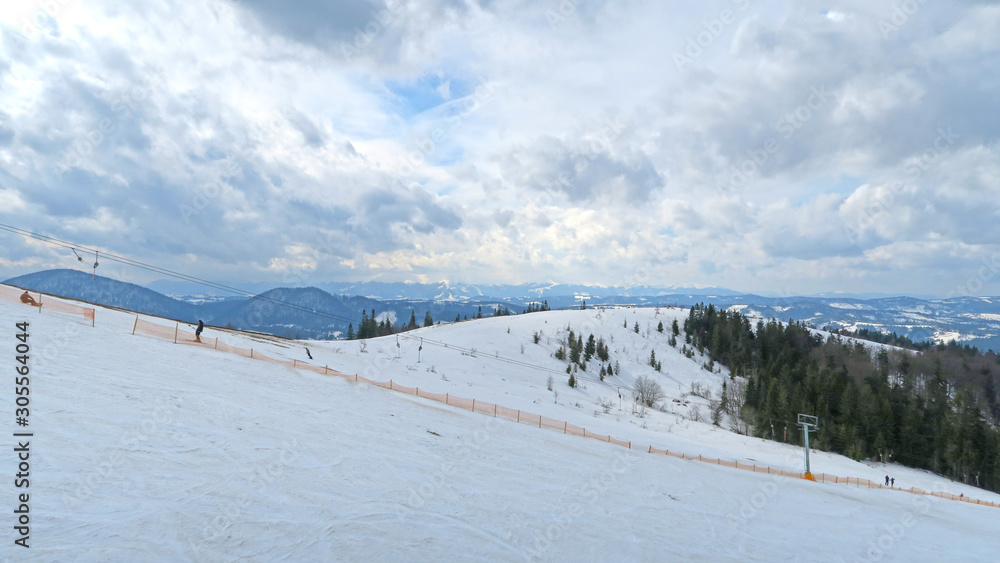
x=807, y=423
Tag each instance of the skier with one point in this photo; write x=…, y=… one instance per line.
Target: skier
x=893, y=481
x=25, y=298
x=886, y=480
x=197, y=331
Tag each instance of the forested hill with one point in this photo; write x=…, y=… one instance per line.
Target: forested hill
x=935, y=409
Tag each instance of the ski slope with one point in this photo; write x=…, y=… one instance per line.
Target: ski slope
x=146, y=450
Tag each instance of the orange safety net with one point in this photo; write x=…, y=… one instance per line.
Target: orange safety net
x=46, y=303
x=460, y=402
x=505, y=412
x=185, y=337
x=404, y=389
x=439, y=397
x=317, y=369
x=485, y=408
x=621, y=443
x=157, y=330
x=222, y=346
x=258, y=356
x=529, y=418
x=546, y=422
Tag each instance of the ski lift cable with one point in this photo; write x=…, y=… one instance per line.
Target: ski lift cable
x=171, y=273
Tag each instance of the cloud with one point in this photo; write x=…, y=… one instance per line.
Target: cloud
x=509, y=140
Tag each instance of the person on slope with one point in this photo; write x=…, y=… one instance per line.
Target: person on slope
x=197, y=331
x=28, y=299
x=886, y=480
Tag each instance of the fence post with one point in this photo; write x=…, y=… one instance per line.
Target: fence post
x=390, y=388
x=630, y=444
x=650, y=449
x=539, y=421
x=473, y=405
x=251, y=352
x=566, y=425
x=519, y=415
x=293, y=363
x=494, y=411
x=177, y=328
x=216, y=342
x=446, y=398
x=135, y=325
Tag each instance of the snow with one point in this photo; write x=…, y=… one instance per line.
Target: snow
x=850, y=306
x=147, y=450
x=947, y=336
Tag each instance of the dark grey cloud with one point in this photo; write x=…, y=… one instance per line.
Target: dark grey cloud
x=582, y=171
x=322, y=22
x=409, y=210
x=312, y=134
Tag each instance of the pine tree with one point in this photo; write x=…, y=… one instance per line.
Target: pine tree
x=413, y=320
x=574, y=352
x=350, y=331
x=635, y=329
x=659, y=327
x=590, y=349
x=675, y=329
x=479, y=313
x=572, y=380
x=428, y=321
x=602, y=350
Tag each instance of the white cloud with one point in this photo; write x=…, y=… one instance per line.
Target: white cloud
x=485, y=141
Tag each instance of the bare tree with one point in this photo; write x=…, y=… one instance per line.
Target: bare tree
x=648, y=391
x=736, y=398
x=694, y=413
x=605, y=404
x=715, y=409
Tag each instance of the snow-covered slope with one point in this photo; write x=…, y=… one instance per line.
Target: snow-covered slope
x=146, y=450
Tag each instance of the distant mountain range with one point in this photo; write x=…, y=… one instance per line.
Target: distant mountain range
x=446, y=291
x=325, y=311
x=289, y=312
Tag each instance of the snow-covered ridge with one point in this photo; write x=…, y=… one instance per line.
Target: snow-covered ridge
x=196, y=454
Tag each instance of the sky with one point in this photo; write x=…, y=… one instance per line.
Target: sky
x=786, y=147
